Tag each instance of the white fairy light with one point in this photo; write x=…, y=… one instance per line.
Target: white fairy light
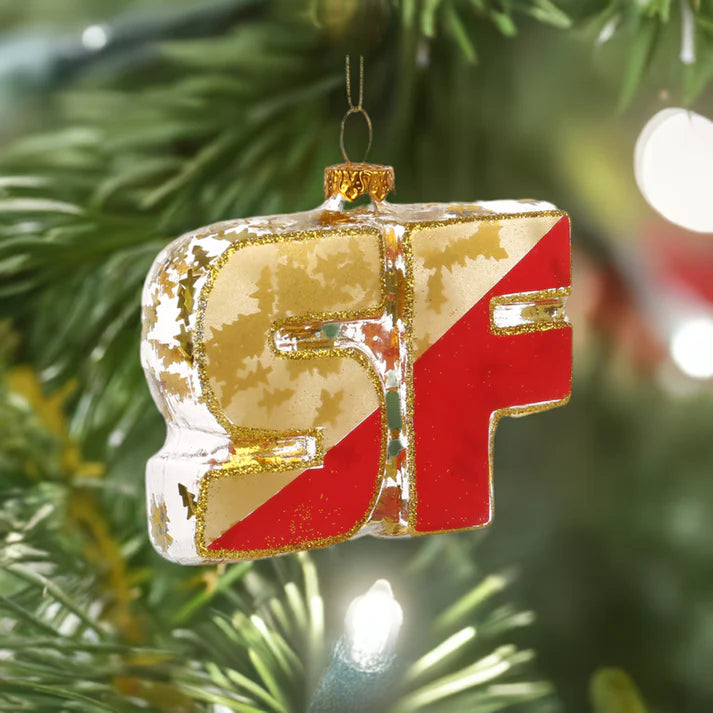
x=607, y=32
x=672, y=163
x=688, y=34
x=94, y=37
x=692, y=347
x=372, y=625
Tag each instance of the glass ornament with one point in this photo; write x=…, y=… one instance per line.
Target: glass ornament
x=341, y=372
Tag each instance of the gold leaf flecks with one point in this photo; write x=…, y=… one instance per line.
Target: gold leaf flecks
x=159, y=521
x=150, y=314
x=185, y=296
x=175, y=384
x=200, y=257
x=274, y=398
x=231, y=345
x=258, y=375
x=330, y=407
x=166, y=283
x=168, y=354
x=188, y=499
x=291, y=293
x=436, y=295
x=484, y=242
x=264, y=294
x=185, y=342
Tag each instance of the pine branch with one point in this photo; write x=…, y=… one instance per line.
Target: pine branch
x=243, y=637
x=261, y=652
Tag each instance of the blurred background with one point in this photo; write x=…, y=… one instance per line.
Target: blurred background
x=124, y=123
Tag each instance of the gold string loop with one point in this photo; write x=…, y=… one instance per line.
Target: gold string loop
x=355, y=108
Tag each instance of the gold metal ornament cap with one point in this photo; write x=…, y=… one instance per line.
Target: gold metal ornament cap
x=352, y=180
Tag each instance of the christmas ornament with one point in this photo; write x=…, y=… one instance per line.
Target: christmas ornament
x=340, y=372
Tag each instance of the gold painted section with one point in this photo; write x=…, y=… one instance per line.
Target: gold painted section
x=352, y=180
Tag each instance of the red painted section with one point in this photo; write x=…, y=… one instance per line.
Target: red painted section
x=320, y=503
x=468, y=374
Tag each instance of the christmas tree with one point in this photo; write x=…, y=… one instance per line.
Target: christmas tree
x=125, y=124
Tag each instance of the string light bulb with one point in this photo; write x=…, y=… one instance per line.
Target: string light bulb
x=95, y=37
x=372, y=625
x=692, y=347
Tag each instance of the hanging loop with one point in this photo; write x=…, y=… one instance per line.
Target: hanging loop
x=350, y=111
x=355, y=108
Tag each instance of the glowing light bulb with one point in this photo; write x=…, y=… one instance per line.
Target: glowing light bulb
x=94, y=37
x=372, y=625
x=672, y=163
x=692, y=347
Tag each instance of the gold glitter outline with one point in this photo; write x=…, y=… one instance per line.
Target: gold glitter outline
x=540, y=323
x=199, y=356
x=407, y=253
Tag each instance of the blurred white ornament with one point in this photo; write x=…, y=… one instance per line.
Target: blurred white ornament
x=372, y=624
x=673, y=163
x=692, y=347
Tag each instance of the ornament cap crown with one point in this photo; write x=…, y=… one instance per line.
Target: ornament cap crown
x=352, y=180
